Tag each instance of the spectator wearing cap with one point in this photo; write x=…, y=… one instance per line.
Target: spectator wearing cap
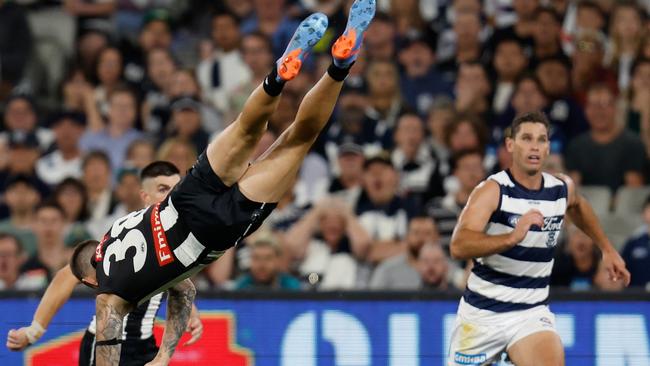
x=420, y=83
x=588, y=68
x=118, y=133
x=270, y=18
x=265, y=268
x=381, y=211
x=620, y=153
x=225, y=69
x=636, y=252
x=509, y=62
x=51, y=254
x=24, y=151
x=21, y=196
x=554, y=75
x=65, y=160
x=349, y=173
x=412, y=157
x=20, y=116
x=400, y=272
x=467, y=172
x=15, y=45
x=186, y=122
x=12, y=257
x=328, y=241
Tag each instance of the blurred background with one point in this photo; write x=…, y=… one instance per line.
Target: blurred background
x=91, y=91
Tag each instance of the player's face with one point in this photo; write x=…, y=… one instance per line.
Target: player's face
x=155, y=189
x=529, y=148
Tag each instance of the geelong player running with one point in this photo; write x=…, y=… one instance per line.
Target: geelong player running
x=220, y=201
x=510, y=228
x=138, y=343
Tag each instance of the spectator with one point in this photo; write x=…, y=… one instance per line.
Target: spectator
x=562, y=109
x=158, y=90
x=576, y=264
x=257, y=54
x=12, y=258
x=140, y=154
x=350, y=170
x=385, y=102
x=524, y=26
x=546, y=35
x=412, y=158
x=108, y=74
x=328, y=241
x=23, y=154
x=179, y=152
x=186, y=122
x=225, y=69
x=467, y=28
x=380, y=38
x=51, y=255
x=185, y=84
x=620, y=154
x=22, y=197
x=588, y=68
x=92, y=14
x=440, y=117
x=20, y=116
x=434, y=268
x=636, y=252
x=473, y=90
x=382, y=213
x=465, y=132
x=128, y=193
x=270, y=18
x=401, y=272
x=101, y=201
x=119, y=132
x=421, y=83
x=15, y=45
x=467, y=171
x=638, y=111
x=265, y=270
x=72, y=196
x=509, y=62
x=625, y=39
x=74, y=90
x=65, y=160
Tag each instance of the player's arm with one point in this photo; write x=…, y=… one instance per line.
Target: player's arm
x=583, y=216
x=469, y=239
x=179, y=307
x=110, y=310
x=57, y=293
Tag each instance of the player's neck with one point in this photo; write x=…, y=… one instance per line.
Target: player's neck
x=532, y=182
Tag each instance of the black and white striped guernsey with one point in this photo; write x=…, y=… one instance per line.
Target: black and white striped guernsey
x=518, y=278
x=139, y=323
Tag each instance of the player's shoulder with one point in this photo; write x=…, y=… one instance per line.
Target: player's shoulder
x=556, y=179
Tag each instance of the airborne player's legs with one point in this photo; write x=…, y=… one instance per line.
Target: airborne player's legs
x=229, y=153
x=272, y=174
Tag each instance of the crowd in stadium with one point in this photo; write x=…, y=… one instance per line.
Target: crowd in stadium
x=92, y=91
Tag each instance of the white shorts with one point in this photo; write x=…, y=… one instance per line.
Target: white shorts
x=480, y=336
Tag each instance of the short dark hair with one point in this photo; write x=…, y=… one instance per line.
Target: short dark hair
x=81, y=262
x=6, y=235
x=227, y=13
x=548, y=10
x=528, y=117
x=96, y=155
x=77, y=185
x=459, y=155
x=51, y=203
x=158, y=168
x=261, y=36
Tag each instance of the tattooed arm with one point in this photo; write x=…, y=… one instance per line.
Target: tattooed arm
x=179, y=307
x=111, y=310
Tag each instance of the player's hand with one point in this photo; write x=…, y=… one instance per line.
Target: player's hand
x=615, y=266
x=17, y=339
x=530, y=218
x=195, y=328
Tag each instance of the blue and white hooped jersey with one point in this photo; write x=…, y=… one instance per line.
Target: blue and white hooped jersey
x=518, y=278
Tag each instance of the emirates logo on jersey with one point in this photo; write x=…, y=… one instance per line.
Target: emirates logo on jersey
x=98, y=250
x=163, y=253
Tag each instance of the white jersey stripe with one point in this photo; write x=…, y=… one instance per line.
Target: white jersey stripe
x=516, y=267
x=504, y=293
x=534, y=239
x=146, y=327
x=188, y=252
x=520, y=206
